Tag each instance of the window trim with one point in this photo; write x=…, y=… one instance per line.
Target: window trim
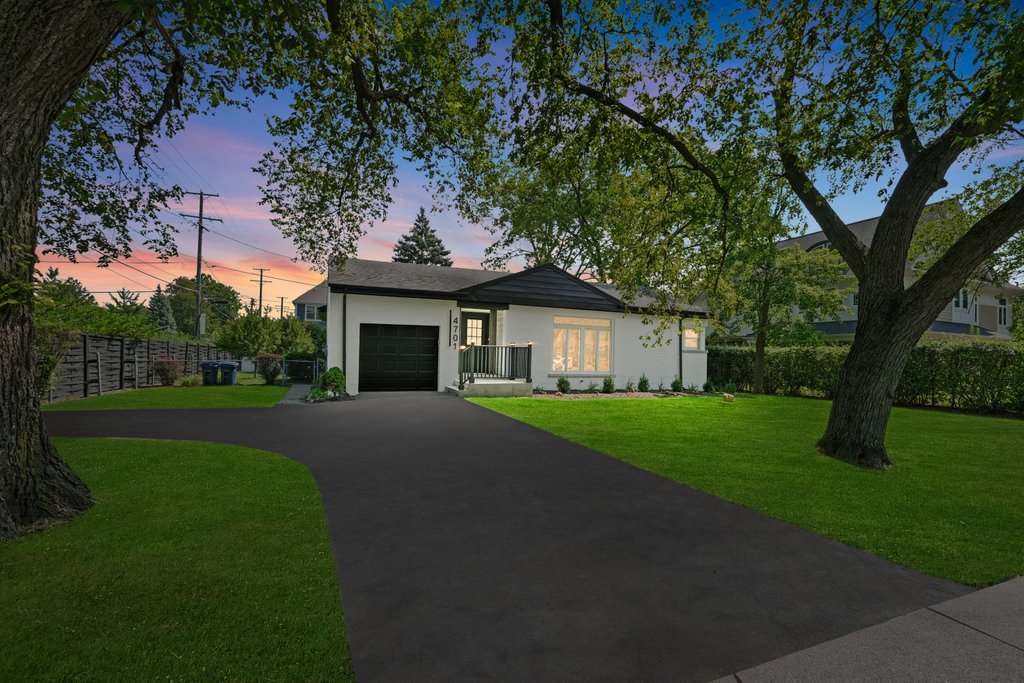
x=567, y=326
x=700, y=340
x=1002, y=315
x=307, y=309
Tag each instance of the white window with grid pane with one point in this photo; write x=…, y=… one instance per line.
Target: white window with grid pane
x=1002, y=312
x=581, y=344
x=311, y=312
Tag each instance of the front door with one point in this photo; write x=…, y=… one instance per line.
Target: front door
x=476, y=328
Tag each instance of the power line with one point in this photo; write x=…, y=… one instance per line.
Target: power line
x=199, y=258
x=183, y=158
x=293, y=259
x=253, y=272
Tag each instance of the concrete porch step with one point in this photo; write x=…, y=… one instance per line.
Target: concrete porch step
x=492, y=387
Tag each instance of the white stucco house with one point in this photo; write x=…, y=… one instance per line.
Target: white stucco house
x=399, y=326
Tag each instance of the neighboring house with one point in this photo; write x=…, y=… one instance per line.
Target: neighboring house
x=983, y=309
x=312, y=305
x=421, y=327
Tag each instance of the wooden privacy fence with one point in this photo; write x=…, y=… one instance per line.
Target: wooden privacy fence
x=96, y=364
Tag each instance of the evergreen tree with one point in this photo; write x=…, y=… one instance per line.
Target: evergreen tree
x=160, y=313
x=421, y=245
x=125, y=301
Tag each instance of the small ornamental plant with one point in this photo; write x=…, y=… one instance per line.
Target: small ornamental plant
x=644, y=384
x=268, y=365
x=563, y=384
x=168, y=370
x=677, y=385
x=609, y=385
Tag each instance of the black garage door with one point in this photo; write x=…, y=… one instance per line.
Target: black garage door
x=397, y=357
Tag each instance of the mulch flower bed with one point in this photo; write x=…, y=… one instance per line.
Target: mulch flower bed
x=618, y=394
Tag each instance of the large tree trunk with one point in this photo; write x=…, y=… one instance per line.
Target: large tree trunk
x=860, y=408
x=48, y=48
x=887, y=331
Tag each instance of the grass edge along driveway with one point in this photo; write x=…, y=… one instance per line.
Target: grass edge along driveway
x=949, y=507
x=219, y=396
x=199, y=561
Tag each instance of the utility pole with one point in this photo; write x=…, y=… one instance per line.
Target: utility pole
x=282, y=305
x=199, y=257
x=261, y=281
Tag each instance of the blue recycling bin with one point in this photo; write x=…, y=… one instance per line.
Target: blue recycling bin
x=227, y=372
x=209, y=369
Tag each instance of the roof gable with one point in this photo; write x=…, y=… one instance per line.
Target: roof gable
x=545, y=285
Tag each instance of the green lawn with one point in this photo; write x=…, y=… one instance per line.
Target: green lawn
x=951, y=505
x=239, y=396
x=199, y=561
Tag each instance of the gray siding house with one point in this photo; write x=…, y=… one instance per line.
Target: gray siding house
x=312, y=305
x=979, y=308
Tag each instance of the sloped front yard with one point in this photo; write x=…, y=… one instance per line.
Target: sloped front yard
x=949, y=507
x=199, y=561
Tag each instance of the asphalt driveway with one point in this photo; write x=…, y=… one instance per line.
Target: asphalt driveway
x=469, y=545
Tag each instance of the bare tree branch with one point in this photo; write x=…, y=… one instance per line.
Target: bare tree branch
x=363, y=90
x=172, y=90
x=850, y=247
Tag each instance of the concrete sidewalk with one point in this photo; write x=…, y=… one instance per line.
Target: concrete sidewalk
x=977, y=637
x=296, y=394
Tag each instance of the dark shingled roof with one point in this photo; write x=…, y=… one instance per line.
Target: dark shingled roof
x=360, y=274
x=408, y=276
x=864, y=230
x=317, y=295
x=644, y=299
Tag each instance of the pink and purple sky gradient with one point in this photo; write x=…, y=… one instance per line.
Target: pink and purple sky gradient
x=217, y=154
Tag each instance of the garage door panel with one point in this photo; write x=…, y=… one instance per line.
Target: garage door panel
x=398, y=357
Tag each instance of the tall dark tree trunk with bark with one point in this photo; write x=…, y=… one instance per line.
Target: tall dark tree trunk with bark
x=860, y=409
x=48, y=48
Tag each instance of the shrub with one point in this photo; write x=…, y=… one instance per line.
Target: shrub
x=563, y=384
x=168, y=370
x=190, y=381
x=332, y=382
x=644, y=384
x=592, y=388
x=609, y=385
x=677, y=384
x=630, y=387
x=708, y=387
x=973, y=374
x=268, y=366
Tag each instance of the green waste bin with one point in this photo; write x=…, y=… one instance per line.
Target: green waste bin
x=209, y=369
x=227, y=372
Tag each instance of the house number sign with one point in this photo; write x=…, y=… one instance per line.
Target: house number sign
x=453, y=338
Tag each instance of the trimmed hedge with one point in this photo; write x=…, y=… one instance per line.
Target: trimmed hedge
x=972, y=374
